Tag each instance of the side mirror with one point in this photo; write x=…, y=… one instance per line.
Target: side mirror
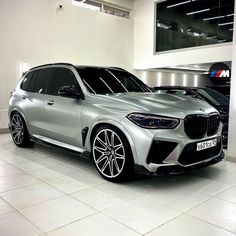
x=71, y=92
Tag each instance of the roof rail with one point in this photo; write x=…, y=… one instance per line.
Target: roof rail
x=52, y=64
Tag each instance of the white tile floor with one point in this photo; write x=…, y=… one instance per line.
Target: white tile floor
x=48, y=191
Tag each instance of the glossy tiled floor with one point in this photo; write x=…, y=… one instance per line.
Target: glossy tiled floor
x=47, y=191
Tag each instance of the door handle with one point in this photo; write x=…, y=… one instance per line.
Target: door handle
x=23, y=96
x=50, y=102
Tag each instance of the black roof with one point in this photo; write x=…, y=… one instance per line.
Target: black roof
x=76, y=66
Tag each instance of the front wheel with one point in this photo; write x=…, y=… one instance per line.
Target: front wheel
x=111, y=154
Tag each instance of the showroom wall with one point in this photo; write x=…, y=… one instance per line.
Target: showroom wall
x=144, y=57
x=38, y=32
x=173, y=78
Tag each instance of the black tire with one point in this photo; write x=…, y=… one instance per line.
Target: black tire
x=121, y=172
x=18, y=126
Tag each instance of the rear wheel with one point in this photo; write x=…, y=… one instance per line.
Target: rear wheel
x=111, y=154
x=19, y=131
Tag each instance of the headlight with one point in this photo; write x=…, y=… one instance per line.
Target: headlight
x=152, y=121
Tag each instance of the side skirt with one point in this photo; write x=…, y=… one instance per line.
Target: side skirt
x=51, y=142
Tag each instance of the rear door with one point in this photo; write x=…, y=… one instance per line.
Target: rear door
x=36, y=89
x=63, y=114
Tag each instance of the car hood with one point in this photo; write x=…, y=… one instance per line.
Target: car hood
x=152, y=103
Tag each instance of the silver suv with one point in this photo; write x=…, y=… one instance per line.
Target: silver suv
x=112, y=115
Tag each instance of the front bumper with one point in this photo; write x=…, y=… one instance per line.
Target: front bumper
x=175, y=150
x=178, y=169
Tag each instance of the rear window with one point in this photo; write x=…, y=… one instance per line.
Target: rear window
x=26, y=81
x=43, y=80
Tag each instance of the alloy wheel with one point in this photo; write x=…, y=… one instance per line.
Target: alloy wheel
x=108, y=153
x=17, y=129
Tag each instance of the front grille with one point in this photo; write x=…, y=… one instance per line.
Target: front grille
x=213, y=124
x=159, y=151
x=197, y=126
x=190, y=155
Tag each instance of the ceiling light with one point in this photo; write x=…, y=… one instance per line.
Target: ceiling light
x=196, y=12
x=227, y=23
x=178, y=4
x=195, y=80
x=172, y=80
x=213, y=18
x=231, y=29
x=230, y=15
x=184, y=80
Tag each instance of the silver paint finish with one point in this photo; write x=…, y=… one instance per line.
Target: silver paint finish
x=62, y=122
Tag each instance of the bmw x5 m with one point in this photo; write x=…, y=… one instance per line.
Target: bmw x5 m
x=116, y=118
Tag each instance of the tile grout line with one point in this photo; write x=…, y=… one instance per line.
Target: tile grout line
x=17, y=211
x=217, y=226
x=186, y=212
x=164, y=223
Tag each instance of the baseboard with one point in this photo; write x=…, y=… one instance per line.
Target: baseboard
x=4, y=131
x=231, y=159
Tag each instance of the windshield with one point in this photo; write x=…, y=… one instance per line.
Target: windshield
x=211, y=96
x=214, y=97
x=110, y=81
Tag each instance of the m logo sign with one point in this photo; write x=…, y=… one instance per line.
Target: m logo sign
x=219, y=71
x=220, y=74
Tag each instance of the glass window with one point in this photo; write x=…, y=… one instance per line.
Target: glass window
x=130, y=82
x=88, y=4
x=63, y=77
x=115, y=11
x=31, y=85
x=99, y=6
x=43, y=79
x=214, y=97
x=94, y=80
x=106, y=81
x=183, y=24
x=25, y=83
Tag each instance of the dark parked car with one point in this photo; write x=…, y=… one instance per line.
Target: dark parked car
x=216, y=99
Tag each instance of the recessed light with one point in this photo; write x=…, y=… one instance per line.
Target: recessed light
x=178, y=4
x=197, y=12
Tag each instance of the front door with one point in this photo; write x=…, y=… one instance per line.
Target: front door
x=63, y=114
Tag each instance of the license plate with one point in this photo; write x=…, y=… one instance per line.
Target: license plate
x=207, y=144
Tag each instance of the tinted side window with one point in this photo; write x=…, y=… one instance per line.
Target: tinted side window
x=43, y=79
x=31, y=85
x=26, y=81
x=63, y=77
